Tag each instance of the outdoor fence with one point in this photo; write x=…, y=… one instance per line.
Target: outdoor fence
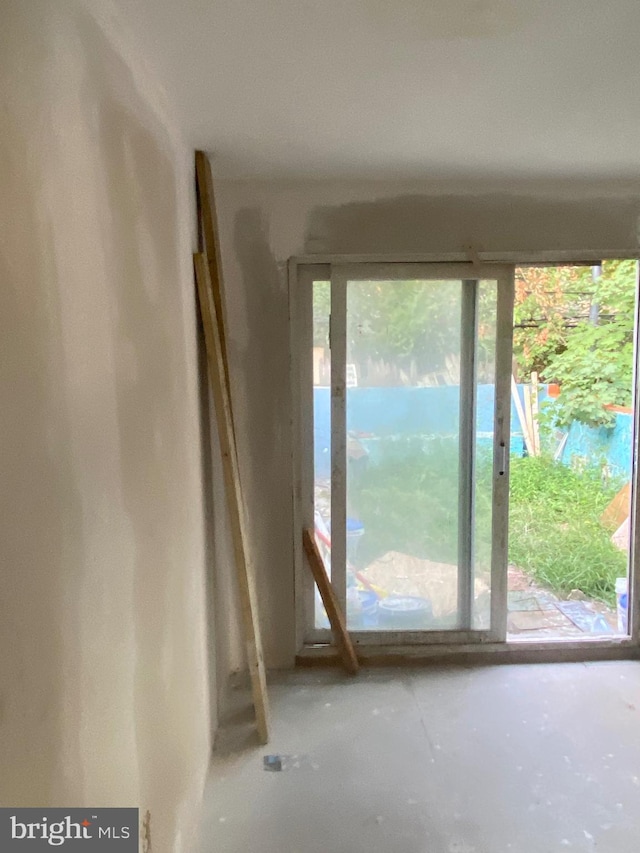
x=397, y=412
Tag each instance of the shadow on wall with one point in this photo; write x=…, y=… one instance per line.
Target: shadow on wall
x=40, y=507
x=103, y=679
x=497, y=222
x=262, y=413
x=156, y=471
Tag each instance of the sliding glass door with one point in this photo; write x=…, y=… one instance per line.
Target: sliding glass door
x=405, y=392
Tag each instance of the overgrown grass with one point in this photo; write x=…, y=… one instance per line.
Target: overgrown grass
x=555, y=532
x=408, y=501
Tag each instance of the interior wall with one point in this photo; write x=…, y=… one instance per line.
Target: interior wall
x=103, y=672
x=264, y=223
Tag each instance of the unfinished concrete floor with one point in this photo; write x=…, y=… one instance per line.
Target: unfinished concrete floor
x=527, y=758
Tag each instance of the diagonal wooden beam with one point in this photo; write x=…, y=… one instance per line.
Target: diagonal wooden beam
x=331, y=603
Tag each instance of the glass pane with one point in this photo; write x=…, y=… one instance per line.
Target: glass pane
x=322, y=432
x=403, y=408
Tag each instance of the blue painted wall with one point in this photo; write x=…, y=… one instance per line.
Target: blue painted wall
x=434, y=411
x=397, y=411
x=611, y=447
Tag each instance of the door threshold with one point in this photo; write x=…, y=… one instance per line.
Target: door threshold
x=521, y=651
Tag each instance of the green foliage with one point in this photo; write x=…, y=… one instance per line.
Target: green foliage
x=407, y=323
x=416, y=325
x=547, y=301
x=403, y=322
x=409, y=502
x=596, y=367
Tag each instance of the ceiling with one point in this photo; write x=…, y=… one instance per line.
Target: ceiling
x=402, y=88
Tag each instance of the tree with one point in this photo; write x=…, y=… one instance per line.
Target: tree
x=413, y=326
x=595, y=367
x=569, y=326
x=404, y=322
x=548, y=302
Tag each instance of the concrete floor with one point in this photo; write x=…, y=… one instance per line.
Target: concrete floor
x=528, y=759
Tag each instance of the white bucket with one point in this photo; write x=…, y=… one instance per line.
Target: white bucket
x=622, y=604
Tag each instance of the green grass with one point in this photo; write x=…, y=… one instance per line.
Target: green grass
x=408, y=501
x=555, y=532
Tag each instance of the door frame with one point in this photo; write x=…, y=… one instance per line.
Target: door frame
x=307, y=268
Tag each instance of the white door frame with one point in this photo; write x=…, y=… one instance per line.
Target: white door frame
x=306, y=269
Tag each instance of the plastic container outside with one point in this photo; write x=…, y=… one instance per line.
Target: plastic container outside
x=362, y=609
x=405, y=612
x=622, y=604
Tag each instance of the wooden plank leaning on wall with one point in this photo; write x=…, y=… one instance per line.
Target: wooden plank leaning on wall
x=211, y=300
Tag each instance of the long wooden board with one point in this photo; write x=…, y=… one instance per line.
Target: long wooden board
x=535, y=411
x=210, y=245
x=244, y=570
x=331, y=604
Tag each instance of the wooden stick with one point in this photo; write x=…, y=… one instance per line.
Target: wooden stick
x=244, y=569
x=523, y=422
x=210, y=244
x=526, y=392
x=535, y=411
x=331, y=604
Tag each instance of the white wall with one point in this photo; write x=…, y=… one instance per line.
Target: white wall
x=264, y=223
x=103, y=664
